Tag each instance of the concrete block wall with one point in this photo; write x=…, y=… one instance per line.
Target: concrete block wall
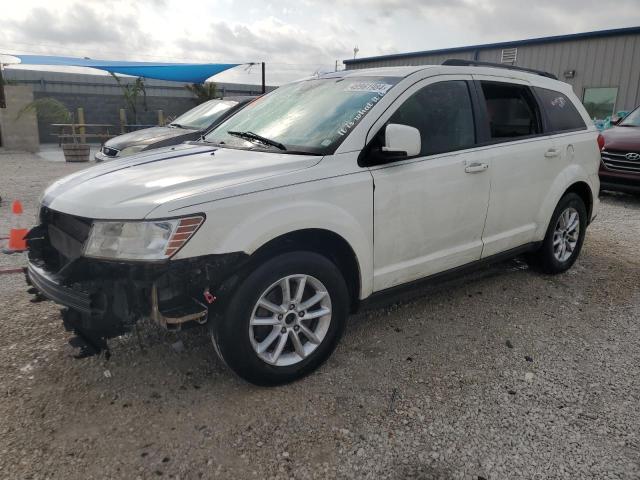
x=18, y=133
x=101, y=97
x=105, y=109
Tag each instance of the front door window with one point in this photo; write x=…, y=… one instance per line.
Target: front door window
x=442, y=114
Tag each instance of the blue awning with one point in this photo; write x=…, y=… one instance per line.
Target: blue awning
x=176, y=72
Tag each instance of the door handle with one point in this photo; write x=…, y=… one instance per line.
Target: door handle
x=551, y=153
x=476, y=167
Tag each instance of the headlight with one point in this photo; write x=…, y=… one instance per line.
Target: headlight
x=149, y=240
x=131, y=150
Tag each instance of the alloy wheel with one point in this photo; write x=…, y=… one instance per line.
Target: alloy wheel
x=566, y=234
x=290, y=320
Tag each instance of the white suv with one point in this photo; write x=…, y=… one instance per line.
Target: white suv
x=281, y=221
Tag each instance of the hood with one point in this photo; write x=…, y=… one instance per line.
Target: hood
x=146, y=136
x=132, y=187
x=626, y=139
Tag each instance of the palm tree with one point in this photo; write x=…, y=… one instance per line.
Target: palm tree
x=131, y=92
x=203, y=91
x=50, y=110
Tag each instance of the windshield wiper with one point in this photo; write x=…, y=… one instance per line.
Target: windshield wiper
x=258, y=138
x=177, y=125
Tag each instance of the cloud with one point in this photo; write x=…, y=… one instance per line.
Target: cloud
x=78, y=26
x=295, y=37
x=96, y=30
x=114, y=29
x=271, y=40
x=507, y=19
x=267, y=39
x=518, y=19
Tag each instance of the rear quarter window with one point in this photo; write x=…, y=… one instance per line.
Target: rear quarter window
x=560, y=111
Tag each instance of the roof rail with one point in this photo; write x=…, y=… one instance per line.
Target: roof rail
x=455, y=62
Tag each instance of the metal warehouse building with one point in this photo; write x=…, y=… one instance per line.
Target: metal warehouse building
x=603, y=67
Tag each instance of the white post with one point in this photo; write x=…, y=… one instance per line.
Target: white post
x=3, y=100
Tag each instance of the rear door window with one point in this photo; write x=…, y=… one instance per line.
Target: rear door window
x=561, y=112
x=512, y=111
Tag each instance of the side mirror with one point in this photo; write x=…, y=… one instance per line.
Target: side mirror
x=401, y=140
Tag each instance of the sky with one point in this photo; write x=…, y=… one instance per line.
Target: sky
x=296, y=38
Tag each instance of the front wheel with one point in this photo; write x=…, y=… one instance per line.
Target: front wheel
x=565, y=235
x=284, y=319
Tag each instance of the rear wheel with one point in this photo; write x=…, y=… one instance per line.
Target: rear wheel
x=565, y=235
x=284, y=319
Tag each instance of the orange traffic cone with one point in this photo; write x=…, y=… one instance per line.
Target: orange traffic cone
x=17, y=242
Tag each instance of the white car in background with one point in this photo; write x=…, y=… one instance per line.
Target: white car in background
x=313, y=199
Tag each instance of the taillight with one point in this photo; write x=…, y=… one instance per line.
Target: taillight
x=600, y=141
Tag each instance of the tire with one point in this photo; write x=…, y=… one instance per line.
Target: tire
x=550, y=258
x=238, y=341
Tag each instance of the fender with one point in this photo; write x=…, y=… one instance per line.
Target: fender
x=342, y=205
x=571, y=175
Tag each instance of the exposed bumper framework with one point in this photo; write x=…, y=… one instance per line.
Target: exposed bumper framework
x=176, y=316
x=105, y=299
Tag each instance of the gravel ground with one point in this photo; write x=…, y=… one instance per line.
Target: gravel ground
x=503, y=374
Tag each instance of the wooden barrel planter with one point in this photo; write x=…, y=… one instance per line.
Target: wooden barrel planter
x=76, y=152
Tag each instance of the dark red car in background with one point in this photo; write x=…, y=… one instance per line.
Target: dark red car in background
x=620, y=146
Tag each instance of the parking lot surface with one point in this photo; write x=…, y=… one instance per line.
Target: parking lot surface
x=502, y=374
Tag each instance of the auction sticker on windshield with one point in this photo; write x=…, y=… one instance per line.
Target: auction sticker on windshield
x=372, y=87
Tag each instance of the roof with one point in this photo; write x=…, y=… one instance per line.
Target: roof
x=482, y=69
x=402, y=71
x=515, y=43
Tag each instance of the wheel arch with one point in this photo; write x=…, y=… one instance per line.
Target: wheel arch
x=572, y=180
x=583, y=190
x=323, y=242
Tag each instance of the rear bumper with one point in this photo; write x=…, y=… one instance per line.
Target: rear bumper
x=618, y=186
x=619, y=181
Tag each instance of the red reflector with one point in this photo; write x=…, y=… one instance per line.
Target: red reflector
x=600, y=141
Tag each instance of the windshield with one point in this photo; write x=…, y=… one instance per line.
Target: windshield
x=203, y=115
x=312, y=116
x=632, y=120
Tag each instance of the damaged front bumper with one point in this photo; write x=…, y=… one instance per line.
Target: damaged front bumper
x=105, y=299
x=51, y=287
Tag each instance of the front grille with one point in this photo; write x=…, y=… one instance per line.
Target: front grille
x=110, y=152
x=621, y=161
x=66, y=234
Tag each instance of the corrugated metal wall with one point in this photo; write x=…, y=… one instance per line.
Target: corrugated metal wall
x=598, y=62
